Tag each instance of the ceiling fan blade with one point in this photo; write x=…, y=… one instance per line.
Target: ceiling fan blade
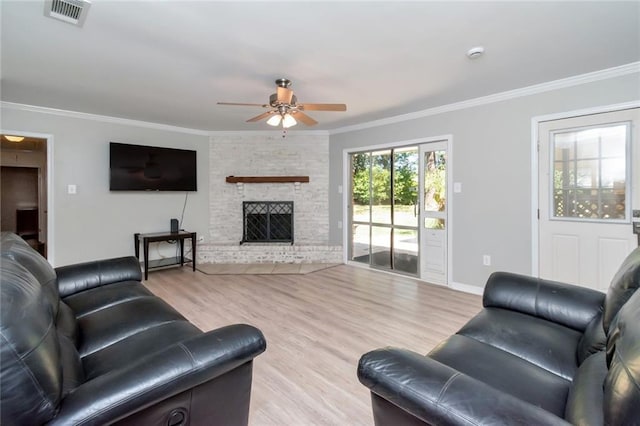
x=299, y=115
x=260, y=117
x=322, y=107
x=241, y=104
x=284, y=95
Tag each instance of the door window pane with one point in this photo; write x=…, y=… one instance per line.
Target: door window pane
x=593, y=185
x=381, y=246
x=360, y=189
x=587, y=174
x=435, y=187
x=381, y=186
x=405, y=187
x=433, y=223
x=613, y=173
x=405, y=250
x=360, y=243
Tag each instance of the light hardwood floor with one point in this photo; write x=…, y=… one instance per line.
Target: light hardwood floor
x=317, y=326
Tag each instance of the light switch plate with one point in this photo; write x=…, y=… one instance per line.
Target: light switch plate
x=72, y=189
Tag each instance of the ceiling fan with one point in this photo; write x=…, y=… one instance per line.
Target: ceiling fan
x=285, y=109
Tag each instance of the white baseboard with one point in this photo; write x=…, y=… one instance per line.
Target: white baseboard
x=468, y=288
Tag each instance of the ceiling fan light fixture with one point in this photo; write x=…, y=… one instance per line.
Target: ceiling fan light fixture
x=284, y=108
x=14, y=138
x=288, y=121
x=274, y=120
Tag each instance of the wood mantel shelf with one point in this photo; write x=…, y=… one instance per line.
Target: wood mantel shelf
x=267, y=179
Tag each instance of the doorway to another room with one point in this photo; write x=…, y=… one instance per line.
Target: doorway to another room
x=23, y=181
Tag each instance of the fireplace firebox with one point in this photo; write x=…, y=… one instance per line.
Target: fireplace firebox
x=267, y=222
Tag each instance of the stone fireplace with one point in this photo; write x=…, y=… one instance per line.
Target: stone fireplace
x=269, y=154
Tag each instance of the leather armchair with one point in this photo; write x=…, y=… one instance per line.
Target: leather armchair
x=89, y=344
x=540, y=352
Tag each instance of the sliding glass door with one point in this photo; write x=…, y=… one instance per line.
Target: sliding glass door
x=384, y=209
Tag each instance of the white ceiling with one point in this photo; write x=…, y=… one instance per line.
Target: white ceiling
x=169, y=62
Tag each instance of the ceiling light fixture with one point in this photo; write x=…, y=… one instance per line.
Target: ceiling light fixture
x=288, y=121
x=14, y=138
x=274, y=120
x=475, y=52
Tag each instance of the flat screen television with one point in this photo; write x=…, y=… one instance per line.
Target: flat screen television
x=150, y=168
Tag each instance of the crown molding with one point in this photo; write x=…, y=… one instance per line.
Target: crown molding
x=151, y=125
x=101, y=118
x=577, y=80
x=608, y=73
x=274, y=132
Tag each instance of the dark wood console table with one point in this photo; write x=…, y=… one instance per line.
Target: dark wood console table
x=165, y=236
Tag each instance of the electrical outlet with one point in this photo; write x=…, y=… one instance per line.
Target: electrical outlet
x=486, y=260
x=72, y=189
x=339, y=224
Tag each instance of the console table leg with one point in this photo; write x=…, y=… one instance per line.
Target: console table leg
x=193, y=250
x=145, y=243
x=181, y=252
x=136, y=245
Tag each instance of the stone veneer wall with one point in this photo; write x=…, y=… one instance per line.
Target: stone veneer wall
x=269, y=155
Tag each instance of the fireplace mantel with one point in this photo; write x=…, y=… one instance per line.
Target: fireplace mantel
x=267, y=179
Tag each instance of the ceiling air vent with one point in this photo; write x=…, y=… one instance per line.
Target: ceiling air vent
x=70, y=11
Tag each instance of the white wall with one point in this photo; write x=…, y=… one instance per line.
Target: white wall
x=97, y=223
x=492, y=160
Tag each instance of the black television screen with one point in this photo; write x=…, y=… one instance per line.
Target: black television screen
x=149, y=168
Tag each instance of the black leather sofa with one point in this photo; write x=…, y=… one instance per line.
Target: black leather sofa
x=88, y=344
x=539, y=353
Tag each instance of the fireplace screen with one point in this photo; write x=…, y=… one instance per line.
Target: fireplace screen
x=267, y=222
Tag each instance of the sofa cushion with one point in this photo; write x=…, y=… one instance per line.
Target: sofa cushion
x=569, y=305
x=623, y=285
x=90, y=301
x=116, y=322
x=136, y=346
x=504, y=371
x=96, y=273
x=30, y=369
x=548, y=345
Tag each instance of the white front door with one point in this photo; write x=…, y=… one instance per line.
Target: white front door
x=433, y=212
x=589, y=181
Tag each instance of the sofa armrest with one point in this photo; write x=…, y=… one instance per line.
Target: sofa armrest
x=83, y=276
x=161, y=375
x=562, y=303
x=438, y=394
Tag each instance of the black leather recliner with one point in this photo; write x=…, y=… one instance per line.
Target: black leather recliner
x=539, y=353
x=88, y=344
